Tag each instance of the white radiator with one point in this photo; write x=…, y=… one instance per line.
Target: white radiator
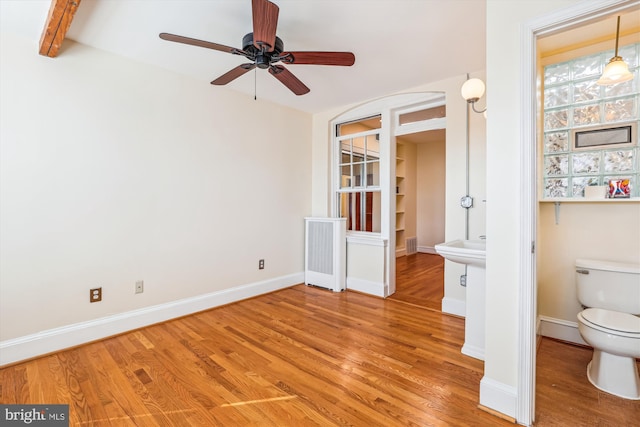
x=411, y=245
x=325, y=258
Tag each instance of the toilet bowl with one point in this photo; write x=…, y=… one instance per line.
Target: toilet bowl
x=610, y=293
x=613, y=368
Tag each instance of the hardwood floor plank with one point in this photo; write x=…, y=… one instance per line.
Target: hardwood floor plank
x=421, y=280
x=302, y=356
x=565, y=396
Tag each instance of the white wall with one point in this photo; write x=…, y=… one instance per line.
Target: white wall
x=457, y=225
x=504, y=80
x=431, y=183
x=113, y=171
x=363, y=275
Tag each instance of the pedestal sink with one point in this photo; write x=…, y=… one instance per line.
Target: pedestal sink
x=472, y=253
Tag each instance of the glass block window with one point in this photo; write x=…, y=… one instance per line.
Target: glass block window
x=572, y=100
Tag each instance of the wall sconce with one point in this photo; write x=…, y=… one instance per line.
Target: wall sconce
x=616, y=71
x=472, y=90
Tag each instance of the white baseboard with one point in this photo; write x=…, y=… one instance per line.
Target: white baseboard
x=473, y=351
x=367, y=286
x=427, y=250
x=498, y=396
x=45, y=342
x=401, y=252
x=559, y=329
x=454, y=306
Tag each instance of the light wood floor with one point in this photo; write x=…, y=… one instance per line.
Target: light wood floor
x=420, y=280
x=299, y=357
x=302, y=356
x=564, y=396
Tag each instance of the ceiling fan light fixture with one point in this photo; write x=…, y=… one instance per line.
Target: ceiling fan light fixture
x=616, y=71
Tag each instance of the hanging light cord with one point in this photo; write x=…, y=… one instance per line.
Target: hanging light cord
x=617, y=36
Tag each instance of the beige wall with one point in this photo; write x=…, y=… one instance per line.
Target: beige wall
x=431, y=194
x=584, y=230
x=113, y=171
x=605, y=230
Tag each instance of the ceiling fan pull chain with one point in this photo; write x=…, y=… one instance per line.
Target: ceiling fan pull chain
x=255, y=84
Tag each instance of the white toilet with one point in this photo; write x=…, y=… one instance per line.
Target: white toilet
x=610, y=291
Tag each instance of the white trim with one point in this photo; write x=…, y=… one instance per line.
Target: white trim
x=51, y=340
x=427, y=250
x=367, y=286
x=472, y=351
x=454, y=306
x=524, y=404
x=437, y=99
x=560, y=330
x=498, y=396
x=421, y=126
x=387, y=107
x=575, y=15
x=401, y=252
x=368, y=239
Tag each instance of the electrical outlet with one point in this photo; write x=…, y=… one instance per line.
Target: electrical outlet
x=463, y=280
x=95, y=295
x=139, y=286
x=261, y=264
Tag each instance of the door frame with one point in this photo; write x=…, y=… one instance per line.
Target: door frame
x=387, y=108
x=576, y=15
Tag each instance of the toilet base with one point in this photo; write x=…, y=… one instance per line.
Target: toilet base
x=614, y=374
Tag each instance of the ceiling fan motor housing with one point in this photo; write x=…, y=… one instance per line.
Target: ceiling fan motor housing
x=262, y=57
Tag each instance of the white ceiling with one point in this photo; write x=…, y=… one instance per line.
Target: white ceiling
x=398, y=44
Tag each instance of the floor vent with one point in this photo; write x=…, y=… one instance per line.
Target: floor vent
x=412, y=245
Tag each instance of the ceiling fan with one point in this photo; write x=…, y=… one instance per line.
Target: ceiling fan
x=264, y=49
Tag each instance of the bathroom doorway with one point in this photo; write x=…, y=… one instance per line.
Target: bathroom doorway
x=535, y=30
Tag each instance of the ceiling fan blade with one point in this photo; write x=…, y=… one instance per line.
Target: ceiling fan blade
x=196, y=42
x=265, y=22
x=320, y=58
x=229, y=76
x=288, y=79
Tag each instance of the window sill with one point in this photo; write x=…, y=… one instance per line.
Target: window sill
x=585, y=200
x=365, y=238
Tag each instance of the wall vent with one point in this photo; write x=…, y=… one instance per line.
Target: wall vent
x=411, y=245
x=325, y=253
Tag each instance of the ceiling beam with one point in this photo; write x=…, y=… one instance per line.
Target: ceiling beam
x=58, y=22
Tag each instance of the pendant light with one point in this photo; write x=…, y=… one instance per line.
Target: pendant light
x=616, y=71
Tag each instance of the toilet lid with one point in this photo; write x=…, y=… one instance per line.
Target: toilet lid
x=623, y=322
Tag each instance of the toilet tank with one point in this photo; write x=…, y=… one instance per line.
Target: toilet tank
x=609, y=285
